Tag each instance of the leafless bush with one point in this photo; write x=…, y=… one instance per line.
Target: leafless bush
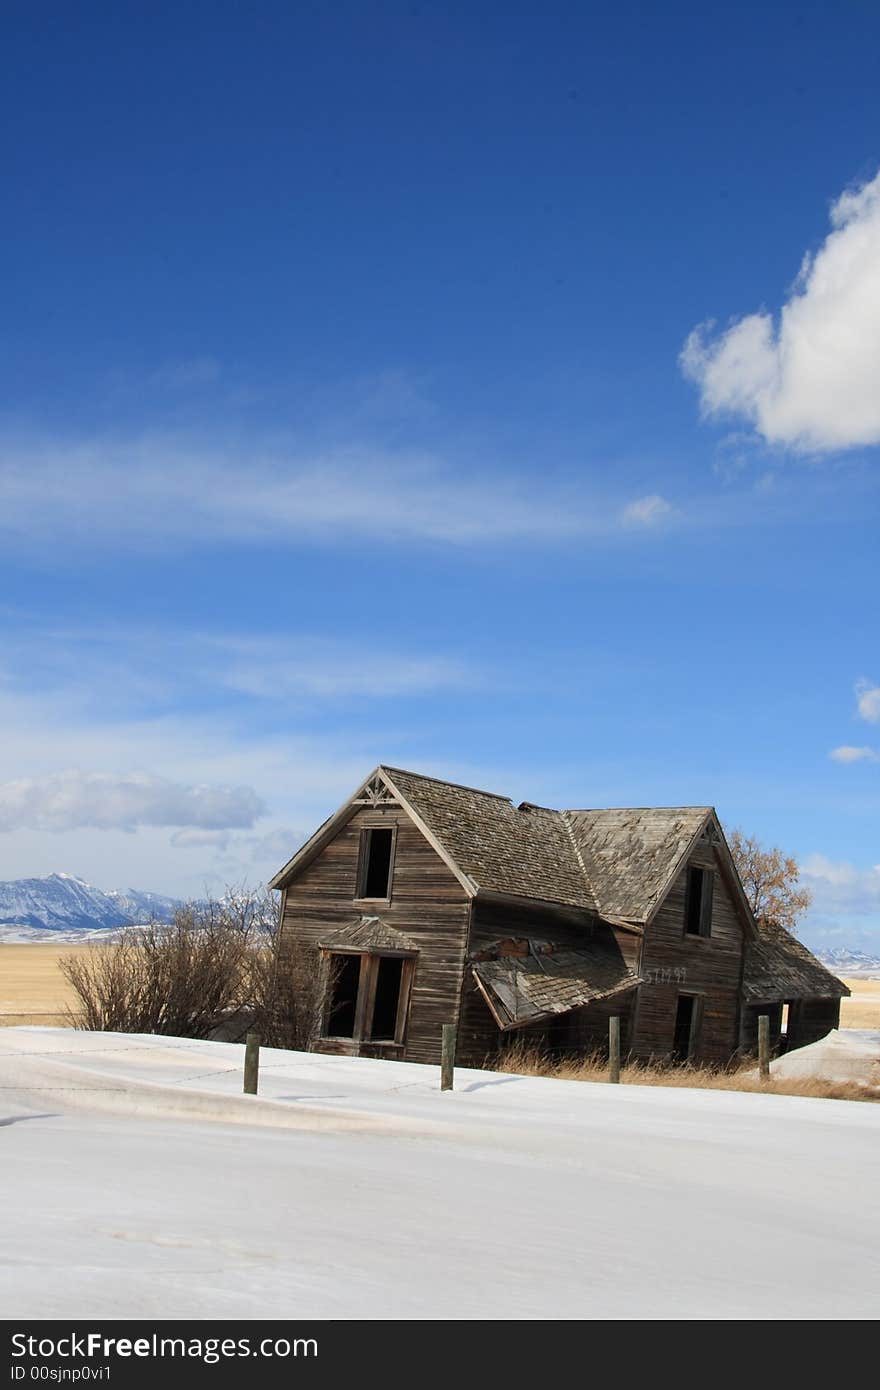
x=214, y=968
x=287, y=993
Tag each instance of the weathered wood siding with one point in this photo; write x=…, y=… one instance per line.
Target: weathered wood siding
x=427, y=904
x=479, y=1036
x=808, y=1021
x=811, y=1020
x=674, y=963
x=583, y=1031
x=494, y=921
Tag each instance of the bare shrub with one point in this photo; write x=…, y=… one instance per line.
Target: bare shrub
x=287, y=993
x=214, y=968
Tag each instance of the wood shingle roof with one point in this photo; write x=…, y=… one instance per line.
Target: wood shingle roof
x=502, y=849
x=779, y=967
x=629, y=856
x=617, y=862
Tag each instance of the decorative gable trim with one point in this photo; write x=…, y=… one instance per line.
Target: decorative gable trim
x=376, y=793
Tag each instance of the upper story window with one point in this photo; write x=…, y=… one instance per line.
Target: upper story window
x=376, y=864
x=698, y=901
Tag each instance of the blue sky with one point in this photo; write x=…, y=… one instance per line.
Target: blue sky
x=489, y=390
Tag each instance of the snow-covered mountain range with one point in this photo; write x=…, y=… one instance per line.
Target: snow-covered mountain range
x=848, y=962
x=64, y=903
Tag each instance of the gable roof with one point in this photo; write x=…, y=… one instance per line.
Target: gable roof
x=630, y=856
x=618, y=863
x=502, y=849
x=778, y=966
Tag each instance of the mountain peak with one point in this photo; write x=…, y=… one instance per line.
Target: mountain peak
x=64, y=902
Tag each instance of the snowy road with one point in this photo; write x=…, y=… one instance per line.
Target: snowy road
x=139, y=1183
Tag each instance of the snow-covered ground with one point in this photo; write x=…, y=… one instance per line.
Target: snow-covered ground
x=139, y=1182
x=847, y=1054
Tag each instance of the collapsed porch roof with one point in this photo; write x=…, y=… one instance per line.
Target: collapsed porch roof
x=527, y=989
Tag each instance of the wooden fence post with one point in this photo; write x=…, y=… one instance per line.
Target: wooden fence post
x=447, y=1056
x=764, y=1045
x=251, y=1063
x=614, y=1049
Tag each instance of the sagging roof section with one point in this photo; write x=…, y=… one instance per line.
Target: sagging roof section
x=526, y=989
x=779, y=967
x=630, y=856
x=527, y=853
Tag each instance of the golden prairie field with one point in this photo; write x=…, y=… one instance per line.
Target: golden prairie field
x=33, y=990
x=862, y=1009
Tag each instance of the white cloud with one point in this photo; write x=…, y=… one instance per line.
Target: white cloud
x=73, y=799
x=812, y=380
x=841, y=888
x=847, y=754
x=646, y=511
x=868, y=699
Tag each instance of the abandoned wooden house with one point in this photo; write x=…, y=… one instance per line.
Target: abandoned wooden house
x=438, y=903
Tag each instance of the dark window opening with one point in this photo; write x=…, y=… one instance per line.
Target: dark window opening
x=376, y=863
x=698, y=905
x=343, y=1003
x=388, y=982
x=682, y=1044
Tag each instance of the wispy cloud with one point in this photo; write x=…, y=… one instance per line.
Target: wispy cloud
x=110, y=665
x=646, y=511
x=848, y=754
x=281, y=668
x=73, y=800
x=151, y=490
x=200, y=839
x=868, y=701
x=812, y=380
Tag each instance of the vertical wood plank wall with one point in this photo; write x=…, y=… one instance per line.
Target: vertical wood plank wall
x=809, y=1020
x=709, y=966
x=427, y=904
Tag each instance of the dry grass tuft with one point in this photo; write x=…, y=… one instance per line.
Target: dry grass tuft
x=527, y=1060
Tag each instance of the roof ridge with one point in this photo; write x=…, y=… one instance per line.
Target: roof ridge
x=586, y=810
x=442, y=782
x=579, y=857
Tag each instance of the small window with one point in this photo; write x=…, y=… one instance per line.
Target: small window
x=698, y=903
x=377, y=853
x=687, y=1022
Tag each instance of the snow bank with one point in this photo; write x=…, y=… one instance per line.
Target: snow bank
x=380, y=1196
x=847, y=1054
